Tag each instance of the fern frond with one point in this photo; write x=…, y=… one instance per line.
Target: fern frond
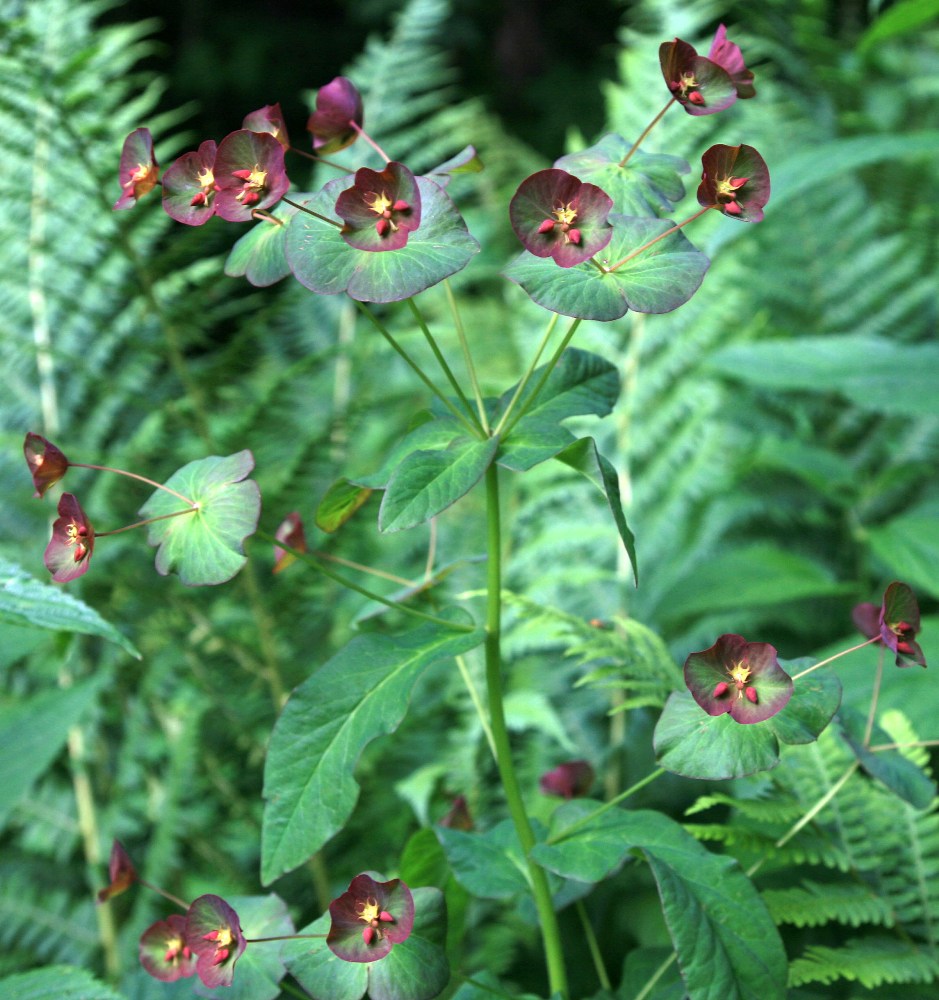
x=870, y=961
x=812, y=904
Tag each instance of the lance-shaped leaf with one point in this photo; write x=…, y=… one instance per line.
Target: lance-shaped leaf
x=341, y=501
x=361, y=693
x=205, y=547
x=724, y=937
x=431, y=434
x=323, y=261
x=260, y=255
x=427, y=482
x=659, y=279
x=648, y=184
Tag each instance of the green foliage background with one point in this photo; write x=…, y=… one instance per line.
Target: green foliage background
x=776, y=438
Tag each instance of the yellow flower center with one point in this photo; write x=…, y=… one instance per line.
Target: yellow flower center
x=379, y=203
x=367, y=910
x=740, y=673
x=565, y=214
x=207, y=178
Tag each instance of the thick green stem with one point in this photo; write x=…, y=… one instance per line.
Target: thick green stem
x=551, y=934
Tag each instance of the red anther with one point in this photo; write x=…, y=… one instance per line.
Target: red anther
x=696, y=97
x=242, y=175
x=721, y=688
x=81, y=550
x=546, y=226
x=386, y=916
x=220, y=956
x=171, y=954
x=751, y=694
x=904, y=647
x=731, y=208
x=367, y=934
x=573, y=236
x=249, y=197
x=738, y=182
x=382, y=226
x=902, y=628
x=211, y=936
x=199, y=199
x=401, y=206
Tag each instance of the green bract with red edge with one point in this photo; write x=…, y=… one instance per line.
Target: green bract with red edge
x=268, y=119
x=164, y=952
x=728, y=56
x=369, y=918
x=189, y=187
x=47, y=464
x=290, y=532
x=249, y=174
x=734, y=179
x=213, y=935
x=380, y=208
x=138, y=172
x=740, y=678
x=121, y=871
x=73, y=539
x=896, y=622
x=338, y=108
x=555, y=214
x=699, y=85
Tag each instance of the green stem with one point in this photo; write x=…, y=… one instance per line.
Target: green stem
x=656, y=976
x=467, y=355
x=316, y=563
x=837, y=656
x=133, y=475
x=551, y=934
x=588, y=819
x=646, y=131
x=149, y=520
x=548, y=369
x=184, y=906
x=519, y=389
x=441, y=360
x=661, y=236
x=869, y=728
x=477, y=703
x=309, y=211
x=414, y=366
x=593, y=947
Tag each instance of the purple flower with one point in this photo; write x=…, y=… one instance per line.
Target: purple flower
x=700, y=85
x=734, y=179
x=47, y=465
x=557, y=215
x=213, y=935
x=189, y=187
x=729, y=57
x=571, y=780
x=738, y=677
x=138, y=172
x=290, y=532
x=73, y=538
x=268, y=119
x=249, y=174
x=896, y=622
x=121, y=872
x=369, y=918
x=164, y=952
x=380, y=209
x=338, y=106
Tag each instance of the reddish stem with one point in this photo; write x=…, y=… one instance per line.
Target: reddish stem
x=668, y=232
x=648, y=129
x=149, y=520
x=363, y=134
x=134, y=475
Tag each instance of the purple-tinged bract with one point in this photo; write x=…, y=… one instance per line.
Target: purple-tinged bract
x=268, y=119
x=380, y=208
x=73, y=538
x=700, y=86
x=138, y=172
x=738, y=677
x=164, y=952
x=728, y=56
x=557, y=215
x=47, y=464
x=290, y=532
x=369, y=918
x=570, y=780
x=213, y=935
x=458, y=817
x=338, y=106
x=121, y=872
x=249, y=174
x=899, y=623
x=189, y=187
x=734, y=179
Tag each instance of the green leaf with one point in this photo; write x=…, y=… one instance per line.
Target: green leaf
x=321, y=973
x=658, y=280
x=342, y=500
x=24, y=600
x=874, y=373
x=361, y=693
x=489, y=865
x=647, y=185
x=205, y=547
x=433, y=434
x=323, y=262
x=32, y=732
x=694, y=744
x=644, y=964
x=583, y=456
x=815, y=699
x=581, y=383
x=726, y=942
x=900, y=775
x=261, y=967
x=903, y=18
x=56, y=982
x=909, y=547
x=260, y=255
x=427, y=482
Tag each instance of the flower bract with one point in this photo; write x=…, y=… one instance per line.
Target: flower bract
x=369, y=918
x=728, y=56
x=290, y=532
x=570, y=780
x=557, y=215
x=164, y=952
x=189, y=187
x=338, y=105
x=738, y=677
x=896, y=623
x=380, y=208
x=734, y=179
x=458, y=816
x=213, y=935
x=249, y=174
x=47, y=464
x=268, y=119
x=698, y=84
x=138, y=172
x=121, y=871
x=73, y=538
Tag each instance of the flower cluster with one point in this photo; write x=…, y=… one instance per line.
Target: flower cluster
x=369, y=918
x=895, y=623
x=704, y=85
